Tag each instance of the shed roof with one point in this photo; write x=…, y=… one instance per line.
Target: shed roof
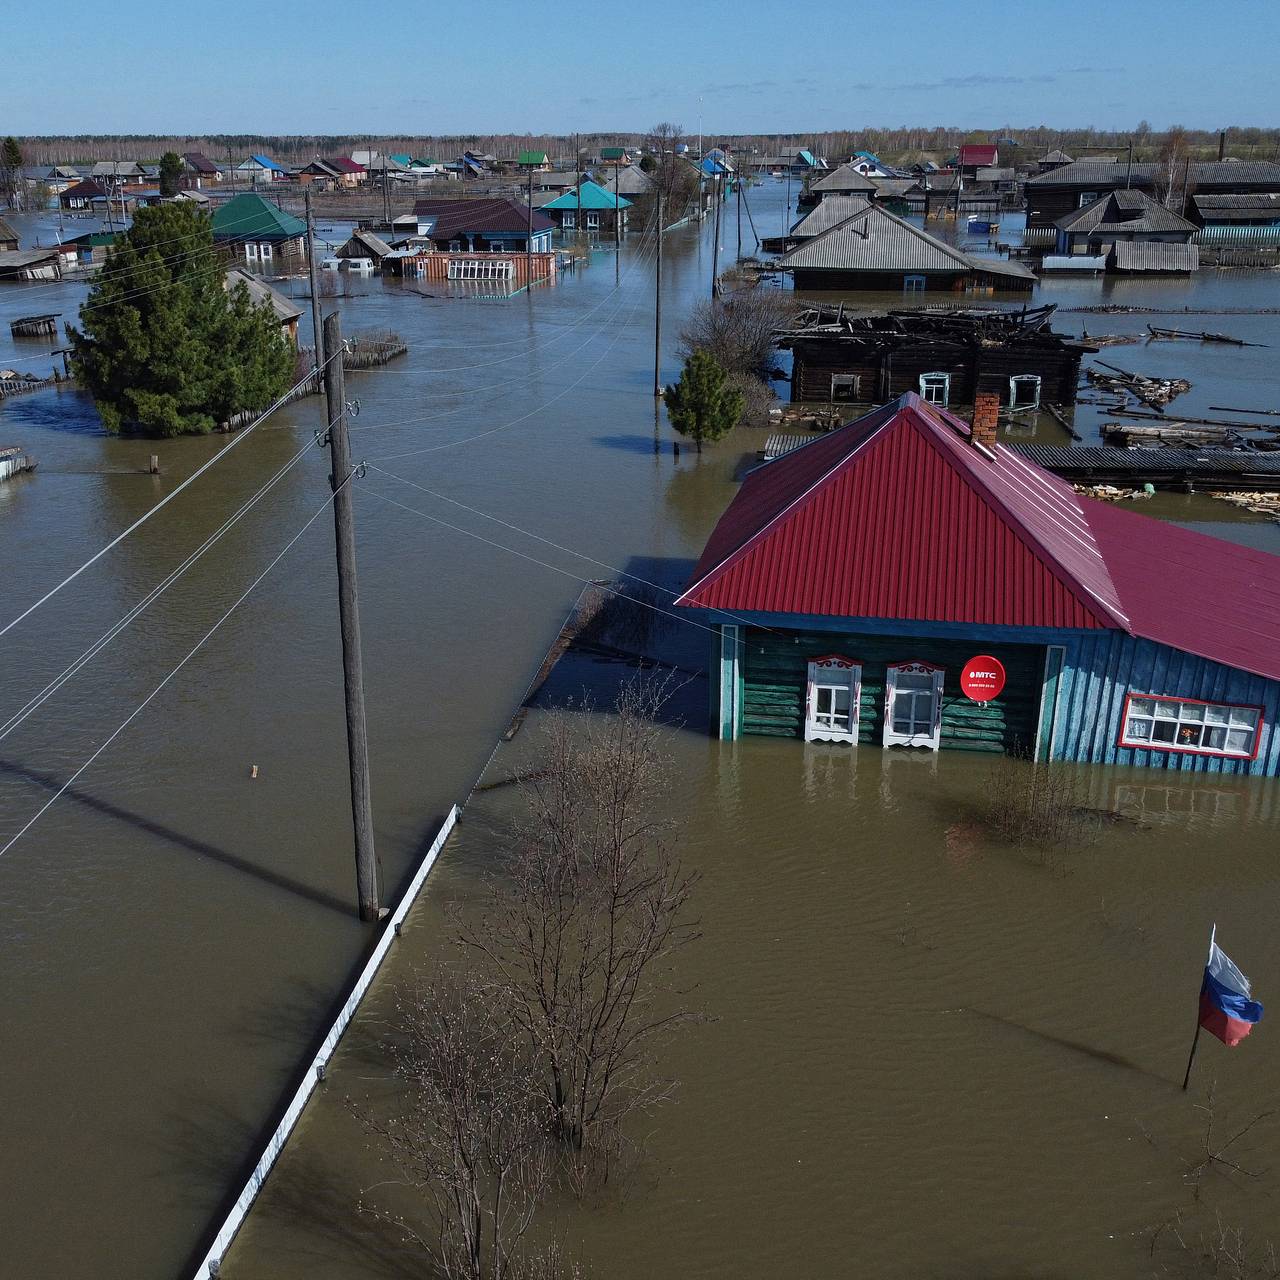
x=7, y=232
x=979, y=153
x=249, y=216
x=1055, y=157
x=285, y=309
x=17, y=259
x=198, y=162
x=1128, y=211
x=1245, y=206
x=898, y=516
x=594, y=196
x=1145, y=255
x=845, y=179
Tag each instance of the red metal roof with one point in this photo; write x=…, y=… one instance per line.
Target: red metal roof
x=982, y=153
x=898, y=515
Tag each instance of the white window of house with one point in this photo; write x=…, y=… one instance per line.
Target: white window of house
x=251, y=252
x=455, y=246
x=593, y=221
x=496, y=246
x=913, y=284
x=845, y=386
x=569, y=220
x=264, y=252
x=1024, y=391
x=1185, y=724
x=936, y=388
x=1087, y=197
x=832, y=699
x=913, y=705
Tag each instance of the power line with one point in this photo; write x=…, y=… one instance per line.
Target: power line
x=622, y=595
x=142, y=605
x=239, y=438
x=142, y=706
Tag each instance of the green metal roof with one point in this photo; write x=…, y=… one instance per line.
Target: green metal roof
x=533, y=157
x=613, y=153
x=594, y=196
x=405, y=160
x=250, y=217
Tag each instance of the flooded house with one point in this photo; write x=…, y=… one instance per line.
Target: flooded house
x=628, y=182
x=874, y=249
x=906, y=581
x=1069, y=187
x=946, y=357
x=365, y=244
x=80, y=196
x=495, y=238
x=259, y=170
x=588, y=207
x=1120, y=217
x=260, y=233
x=286, y=312
x=1251, y=218
x=1052, y=160
x=975, y=156
x=8, y=238
x=870, y=165
x=199, y=171
x=844, y=181
x=31, y=264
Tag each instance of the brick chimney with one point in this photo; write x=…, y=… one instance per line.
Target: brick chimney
x=986, y=418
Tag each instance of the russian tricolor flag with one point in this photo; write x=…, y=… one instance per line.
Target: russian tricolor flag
x=1226, y=1010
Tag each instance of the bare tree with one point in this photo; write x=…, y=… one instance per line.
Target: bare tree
x=471, y=1144
x=741, y=330
x=582, y=932
x=1171, y=168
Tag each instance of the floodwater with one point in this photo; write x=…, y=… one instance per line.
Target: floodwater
x=174, y=932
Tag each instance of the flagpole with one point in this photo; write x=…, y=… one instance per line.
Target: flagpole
x=1213, y=933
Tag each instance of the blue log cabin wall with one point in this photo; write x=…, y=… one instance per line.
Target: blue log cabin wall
x=1064, y=699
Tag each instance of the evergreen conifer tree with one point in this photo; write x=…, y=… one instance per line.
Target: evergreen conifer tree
x=164, y=349
x=704, y=404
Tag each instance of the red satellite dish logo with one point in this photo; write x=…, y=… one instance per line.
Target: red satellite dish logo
x=982, y=678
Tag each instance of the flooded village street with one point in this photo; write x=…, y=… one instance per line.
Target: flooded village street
x=920, y=1058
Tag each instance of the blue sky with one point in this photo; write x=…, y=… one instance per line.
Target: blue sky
x=140, y=66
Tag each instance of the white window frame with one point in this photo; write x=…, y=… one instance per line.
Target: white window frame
x=851, y=382
x=914, y=283
x=933, y=738
x=926, y=379
x=593, y=220
x=1145, y=714
x=264, y=252
x=569, y=220
x=1087, y=197
x=1033, y=378
x=836, y=672
x=250, y=251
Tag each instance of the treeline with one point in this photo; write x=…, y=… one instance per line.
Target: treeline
x=1245, y=142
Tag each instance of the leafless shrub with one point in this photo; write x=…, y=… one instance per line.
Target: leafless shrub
x=1219, y=1250
x=1038, y=804
x=1214, y=1157
x=471, y=1143
x=581, y=932
x=739, y=331
x=758, y=397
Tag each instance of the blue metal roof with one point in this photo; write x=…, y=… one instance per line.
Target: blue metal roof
x=268, y=163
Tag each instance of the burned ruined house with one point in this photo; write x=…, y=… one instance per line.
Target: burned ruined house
x=945, y=357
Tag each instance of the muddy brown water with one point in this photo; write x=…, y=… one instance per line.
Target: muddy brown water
x=174, y=932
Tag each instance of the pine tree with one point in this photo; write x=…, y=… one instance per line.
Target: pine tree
x=704, y=404
x=10, y=169
x=170, y=173
x=165, y=349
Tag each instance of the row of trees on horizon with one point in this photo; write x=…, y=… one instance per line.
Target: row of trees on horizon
x=893, y=145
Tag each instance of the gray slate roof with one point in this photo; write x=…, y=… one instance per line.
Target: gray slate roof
x=17, y=259
x=116, y=169
x=632, y=181
x=873, y=239
x=259, y=292
x=1146, y=255
x=1123, y=211
x=1055, y=157
x=843, y=180
x=1244, y=207
x=830, y=211
x=889, y=187
x=1084, y=173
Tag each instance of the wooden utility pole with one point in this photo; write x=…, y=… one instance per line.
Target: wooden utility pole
x=657, y=305
x=315, y=280
x=528, y=240
x=349, y=618
x=738, y=188
x=617, y=207
x=715, y=244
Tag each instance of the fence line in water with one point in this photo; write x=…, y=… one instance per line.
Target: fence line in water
x=209, y=1265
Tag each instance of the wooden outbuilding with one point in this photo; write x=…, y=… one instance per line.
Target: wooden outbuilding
x=909, y=582
x=8, y=238
x=947, y=357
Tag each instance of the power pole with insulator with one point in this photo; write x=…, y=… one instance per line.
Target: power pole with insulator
x=349, y=619
x=657, y=305
x=315, y=281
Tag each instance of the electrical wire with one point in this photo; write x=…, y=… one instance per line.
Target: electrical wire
x=239, y=438
x=142, y=605
x=479, y=537
x=142, y=706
